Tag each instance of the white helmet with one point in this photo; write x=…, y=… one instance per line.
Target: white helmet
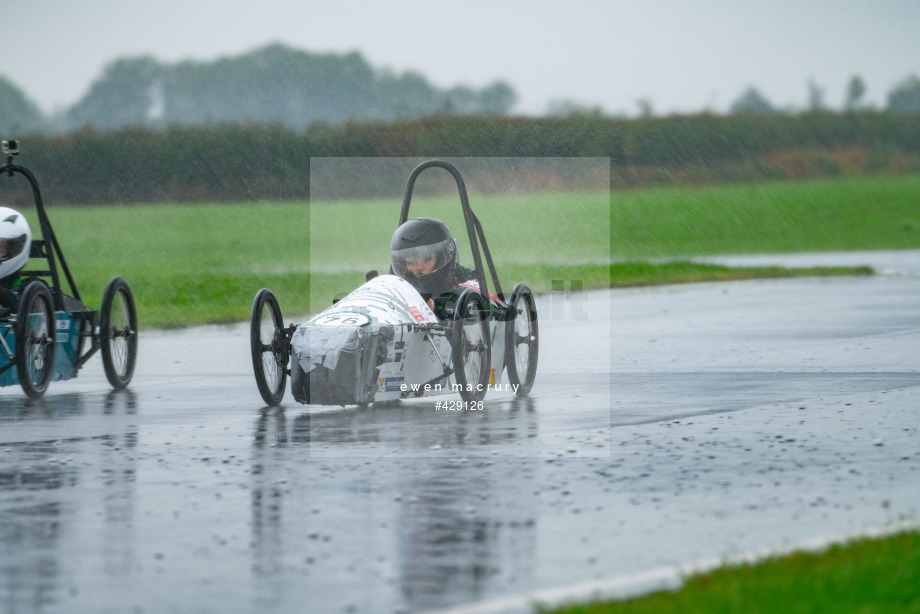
x=15, y=241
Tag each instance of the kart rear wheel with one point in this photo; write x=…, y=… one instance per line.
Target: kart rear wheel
x=471, y=346
x=118, y=333
x=522, y=339
x=269, y=347
x=36, y=331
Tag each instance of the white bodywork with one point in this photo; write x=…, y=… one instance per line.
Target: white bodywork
x=380, y=343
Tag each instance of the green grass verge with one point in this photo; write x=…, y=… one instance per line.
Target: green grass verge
x=872, y=575
x=822, y=215
x=190, y=264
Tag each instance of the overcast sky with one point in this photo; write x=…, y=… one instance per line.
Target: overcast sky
x=683, y=56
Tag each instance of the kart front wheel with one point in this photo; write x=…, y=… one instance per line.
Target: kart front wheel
x=118, y=333
x=269, y=347
x=35, y=339
x=522, y=339
x=471, y=347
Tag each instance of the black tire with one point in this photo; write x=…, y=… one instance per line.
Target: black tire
x=118, y=333
x=471, y=346
x=522, y=339
x=36, y=331
x=269, y=347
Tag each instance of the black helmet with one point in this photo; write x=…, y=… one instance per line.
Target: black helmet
x=424, y=253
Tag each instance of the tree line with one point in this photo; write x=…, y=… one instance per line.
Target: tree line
x=296, y=89
x=275, y=84
x=903, y=98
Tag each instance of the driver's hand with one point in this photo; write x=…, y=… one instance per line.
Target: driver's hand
x=431, y=304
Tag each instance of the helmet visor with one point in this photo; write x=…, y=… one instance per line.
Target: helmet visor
x=423, y=260
x=10, y=248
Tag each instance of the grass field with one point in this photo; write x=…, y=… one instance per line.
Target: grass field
x=823, y=215
x=203, y=263
x=880, y=576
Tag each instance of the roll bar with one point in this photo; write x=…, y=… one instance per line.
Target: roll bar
x=473, y=227
x=47, y=247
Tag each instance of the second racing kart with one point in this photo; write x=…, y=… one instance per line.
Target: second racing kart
x=52, y=334
x=382, y=342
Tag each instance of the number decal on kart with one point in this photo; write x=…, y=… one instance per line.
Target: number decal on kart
x=343, y=318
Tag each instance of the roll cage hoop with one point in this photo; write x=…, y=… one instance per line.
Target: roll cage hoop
x=473, y=226
x=47, y=247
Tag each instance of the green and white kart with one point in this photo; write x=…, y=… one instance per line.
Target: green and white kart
x=383, y=343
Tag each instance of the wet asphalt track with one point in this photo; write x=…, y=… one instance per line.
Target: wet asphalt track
x=668, y=426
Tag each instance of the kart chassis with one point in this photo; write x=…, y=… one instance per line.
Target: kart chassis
x=52, y=334
x=485, y=335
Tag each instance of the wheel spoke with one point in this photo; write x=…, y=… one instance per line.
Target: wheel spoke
x=38, y=359
x=270, y=361
x=36, y=347
x=118, y=334
x=473, y=366
x=473, y=346
x=35, y=343
x=523, y=337
x=470, y=346
x=267, y=342
x=271, y=369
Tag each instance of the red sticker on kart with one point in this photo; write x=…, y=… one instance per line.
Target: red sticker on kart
x=416, y=314
x=475, y=286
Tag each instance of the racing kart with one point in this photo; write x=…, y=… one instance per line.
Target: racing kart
x=383, y=343
x=51, y=335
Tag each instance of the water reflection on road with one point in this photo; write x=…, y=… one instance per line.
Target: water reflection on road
x=416, y=526
x=41, y=518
